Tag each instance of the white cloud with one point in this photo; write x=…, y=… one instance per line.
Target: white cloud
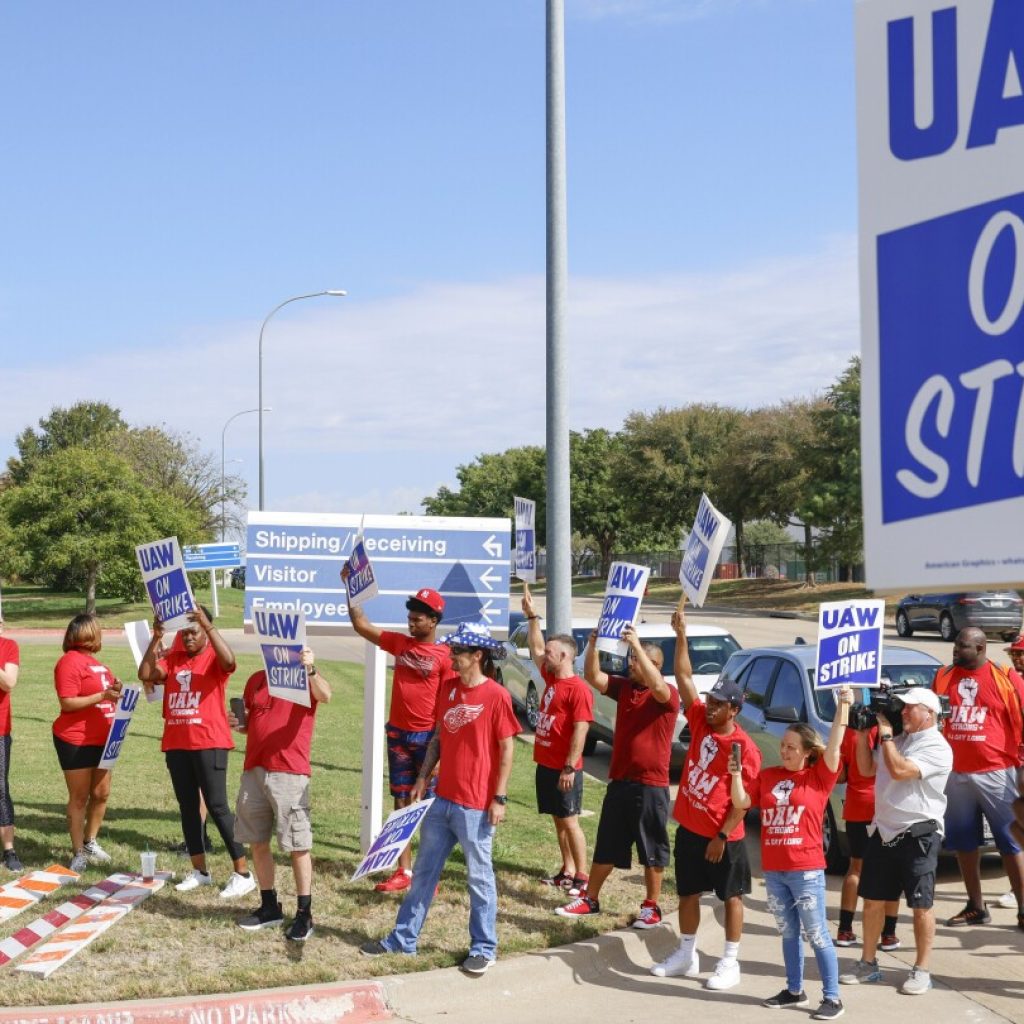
x=371, y=398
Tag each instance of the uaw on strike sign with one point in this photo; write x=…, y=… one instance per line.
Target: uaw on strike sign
x=941, y=157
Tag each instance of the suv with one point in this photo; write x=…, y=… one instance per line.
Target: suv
x=1000, y=612
x=778, y=687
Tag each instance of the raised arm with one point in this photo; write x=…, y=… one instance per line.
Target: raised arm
x=740, y=797
x=649, y=671
x=360, y=623
x=225, y=656
x=681, y=662
x=150, y=672
x=319, y=687
x=534, y=634
x=592, y=666
x=835, y=738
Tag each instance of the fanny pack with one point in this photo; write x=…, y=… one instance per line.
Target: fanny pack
x=915, y=831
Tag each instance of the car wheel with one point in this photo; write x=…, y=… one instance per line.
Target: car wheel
x=836, y=860
x=903, y=627
x=947, y=629
x=589, y=745
x=532, y=706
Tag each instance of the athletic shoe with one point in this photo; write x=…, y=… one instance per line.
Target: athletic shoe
x=301, y=928
x=580, y=907
x=970, y=915
x=676, y=966
x=726, y=975
x=398, y=882
x=263, y=918
x=95, y=853
x=786, y=998
x=578, y=885
x=888, y=943
x=374, y=948
x=559, y=880
x=194, y=880
x=845, y=938
x=830, y=1009
x=861, y=973
x=918, y=982
x=1007, y=901
x=79, y=862
x=650, y=915
x=238, y=885
x=476, y=964
x=11, y=861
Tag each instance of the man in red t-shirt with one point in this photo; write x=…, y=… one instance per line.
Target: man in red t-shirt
x=273, y=794
x=421, y=666
x=985, y=731
x=9, y=662
x=710, y=852
x=635, y=808
x=565, y=713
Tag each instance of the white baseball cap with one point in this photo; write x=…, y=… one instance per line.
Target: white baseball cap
x=922, y=695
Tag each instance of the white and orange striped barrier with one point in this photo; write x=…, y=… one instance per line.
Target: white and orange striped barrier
x=28, y=890
x=58, y=949
x=34, y=932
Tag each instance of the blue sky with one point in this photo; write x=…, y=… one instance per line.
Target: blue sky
x=173, y=171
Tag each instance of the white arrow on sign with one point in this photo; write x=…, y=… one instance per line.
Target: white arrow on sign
x=493, y=546
x=487, y=612
x=487, y=579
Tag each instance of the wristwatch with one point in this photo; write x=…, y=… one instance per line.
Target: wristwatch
x=885, y=736
x=500, y=799
x=569, y=768
x=723, y=837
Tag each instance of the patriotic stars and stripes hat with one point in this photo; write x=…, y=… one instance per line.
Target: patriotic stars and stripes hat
x=474, y=634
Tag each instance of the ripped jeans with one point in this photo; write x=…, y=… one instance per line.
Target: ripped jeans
x=797, y=901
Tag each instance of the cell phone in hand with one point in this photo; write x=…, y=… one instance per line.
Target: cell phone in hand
x=237, y=705
x=737, y=752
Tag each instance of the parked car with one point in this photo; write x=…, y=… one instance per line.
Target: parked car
x=999, y=612
x=710, y=649
x=778, y=686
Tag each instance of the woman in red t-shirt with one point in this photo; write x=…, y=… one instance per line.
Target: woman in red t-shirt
x=9, y=661
x=792, y=798
x=88, y=693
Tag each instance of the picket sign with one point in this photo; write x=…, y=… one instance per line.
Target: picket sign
x=28, y=890
x=59, y=949
x=34, y=932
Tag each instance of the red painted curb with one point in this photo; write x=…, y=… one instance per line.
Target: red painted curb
x=310, y=1004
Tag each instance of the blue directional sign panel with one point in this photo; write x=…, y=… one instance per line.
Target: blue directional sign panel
x=211, y=556
x=294, y=561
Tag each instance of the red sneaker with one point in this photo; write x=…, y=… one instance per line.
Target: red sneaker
x=578, y=885
x=650, y=915
x=559, y=880
x=846, y=939
x=580, y=907
x=400, y=880
x=888, y=943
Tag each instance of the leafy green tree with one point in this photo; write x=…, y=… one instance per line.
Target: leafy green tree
x=79, y=516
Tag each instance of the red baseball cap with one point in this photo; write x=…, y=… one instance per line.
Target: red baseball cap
x=431, y=598
x=1017, y=645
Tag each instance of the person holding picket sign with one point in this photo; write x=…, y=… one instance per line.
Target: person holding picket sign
x=88, y=693
x=197, y=739
x=792, y=797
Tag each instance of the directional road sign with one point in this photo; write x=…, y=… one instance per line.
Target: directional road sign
x=211, y=556
x=294, y=560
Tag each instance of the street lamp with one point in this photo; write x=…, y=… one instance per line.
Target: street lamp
x=223, y=464
x=338, y=293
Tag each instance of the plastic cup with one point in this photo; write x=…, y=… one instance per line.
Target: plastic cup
x=148, y=865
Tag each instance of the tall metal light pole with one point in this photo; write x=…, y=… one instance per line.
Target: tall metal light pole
x=340, y=293
x=559, y=528
x=223, y=465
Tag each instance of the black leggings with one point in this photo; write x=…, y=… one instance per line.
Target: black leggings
x=6, y=807
x=206, y=771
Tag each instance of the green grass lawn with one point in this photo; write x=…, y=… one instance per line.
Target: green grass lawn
x=177, y=943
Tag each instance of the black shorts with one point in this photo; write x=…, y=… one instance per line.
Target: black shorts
x=857, y=837
x=633, y=815
x=695, y=874
x=906, y=867
x=552, y=800
x=71, y=758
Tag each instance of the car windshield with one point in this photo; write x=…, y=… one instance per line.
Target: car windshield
x=898, y=675
x=708, y=654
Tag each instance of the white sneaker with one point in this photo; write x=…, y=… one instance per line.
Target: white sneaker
x=1007, y=901
x=195, y=880
x=97, y=855
x=238, y=885
x=79, y=862
x=727, y=975
x=677, y=966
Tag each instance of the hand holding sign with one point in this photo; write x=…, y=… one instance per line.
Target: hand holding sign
x=163, y=573
x=358, y=575
x=621, y=608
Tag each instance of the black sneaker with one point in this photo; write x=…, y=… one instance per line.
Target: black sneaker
x=265, y=917
x=11, y=861
x=830, y=1009
x=374, y=948
x=786, y=998
x=476, y=964
x=301, y=928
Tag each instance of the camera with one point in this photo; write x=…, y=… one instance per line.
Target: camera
x=886, y=700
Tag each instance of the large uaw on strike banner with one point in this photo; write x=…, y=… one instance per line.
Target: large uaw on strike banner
x=941, y=154
x=294, y=560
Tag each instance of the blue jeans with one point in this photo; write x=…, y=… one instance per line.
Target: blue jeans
x=444, y=825
x=797, y=900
